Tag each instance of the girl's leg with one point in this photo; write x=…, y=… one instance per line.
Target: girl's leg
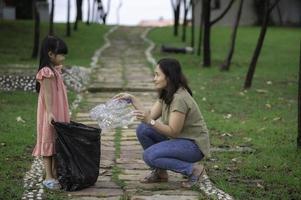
x=177, y=155
x=48, y=167
x=54, y=168
x=148, y=136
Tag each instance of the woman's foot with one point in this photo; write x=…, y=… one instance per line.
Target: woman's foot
x=156, y=176
x=197, y=173
x=51, y=184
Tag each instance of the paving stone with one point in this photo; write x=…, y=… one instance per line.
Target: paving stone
x=164, y=197
x=98, y=192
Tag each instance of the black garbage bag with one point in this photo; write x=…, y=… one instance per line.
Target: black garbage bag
x=77, y=155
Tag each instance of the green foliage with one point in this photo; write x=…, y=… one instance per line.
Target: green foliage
x=16, y=39
x=263, y=118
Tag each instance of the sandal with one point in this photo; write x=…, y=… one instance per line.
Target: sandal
x=155, y=177
x=193, y=180
x=51, y=184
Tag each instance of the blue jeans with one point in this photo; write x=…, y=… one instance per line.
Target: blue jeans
x=177, y=155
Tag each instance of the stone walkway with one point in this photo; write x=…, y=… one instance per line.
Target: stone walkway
x=123, y=67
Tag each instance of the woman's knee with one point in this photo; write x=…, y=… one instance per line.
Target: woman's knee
x=141, y=130
x=149, y=158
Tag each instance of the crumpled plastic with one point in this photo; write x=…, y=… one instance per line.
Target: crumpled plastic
x=115, y=113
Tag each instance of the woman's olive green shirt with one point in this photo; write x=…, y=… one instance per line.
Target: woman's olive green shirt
x=194, y=125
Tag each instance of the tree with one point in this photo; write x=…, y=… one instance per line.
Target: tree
x=192, y=23
x=206, y=10
x=268, y=9
x=36, y=37
x=88, y=14
x=299, y=104
x=68, y=28
x=79, y=14
x=186, y=9
x=176, y=6
x=51, y=18
x=102, y=11
x=226, y=65
x=201, y=32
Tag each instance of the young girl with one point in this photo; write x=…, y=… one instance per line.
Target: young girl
x=52, y=103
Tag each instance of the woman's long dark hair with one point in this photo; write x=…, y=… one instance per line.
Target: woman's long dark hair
x=56, y=46
x=175, y=79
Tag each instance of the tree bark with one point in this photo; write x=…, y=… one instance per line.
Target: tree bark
x=223, y=13
x=201, y=32
x=207, y=49
x=186, y=9
x=192, y=23
x=252, y=67
x=93, y=10
x=36, y=37
x=78, y=14
x=88, y=15
x=51, y=32
x=176, y=10
x=299, y=104
x=226, y=65
x=68, y=26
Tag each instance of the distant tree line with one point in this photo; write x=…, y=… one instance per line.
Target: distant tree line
x=263, y=10
x=99, y=15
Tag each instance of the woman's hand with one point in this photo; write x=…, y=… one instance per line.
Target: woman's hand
x=50, y=118
x=142, y=116
x=124, y=96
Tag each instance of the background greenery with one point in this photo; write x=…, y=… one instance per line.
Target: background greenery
x=263, y=118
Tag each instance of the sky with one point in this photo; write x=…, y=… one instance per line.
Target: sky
x=131, y=11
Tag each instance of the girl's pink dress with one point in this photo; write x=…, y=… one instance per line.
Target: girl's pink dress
x=46, y=133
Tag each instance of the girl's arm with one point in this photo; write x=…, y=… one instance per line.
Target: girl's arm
x=46, y=83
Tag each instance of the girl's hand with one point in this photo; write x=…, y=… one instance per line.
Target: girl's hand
x=142, y=116
x=50, y=118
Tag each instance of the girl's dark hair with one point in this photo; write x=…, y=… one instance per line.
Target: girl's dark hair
x=56, y=46
x=175, y=79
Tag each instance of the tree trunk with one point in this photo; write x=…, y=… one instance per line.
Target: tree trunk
x=201, y=31
x=36, y=37
x=226, y=65
x=249, y=77
x=176, y=11
x=299, y=104
x=51, y=18
x=78, y=14
x=186, y=9
x=192, y=23
x=207, y=51
x=68, y=26
x=93, y=10
x=88, y=15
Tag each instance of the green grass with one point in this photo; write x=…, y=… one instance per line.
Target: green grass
x=17, y=139
x=17, y=41
x=266, y=122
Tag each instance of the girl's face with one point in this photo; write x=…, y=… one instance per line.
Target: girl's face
x=56, y=59
x=160, y=79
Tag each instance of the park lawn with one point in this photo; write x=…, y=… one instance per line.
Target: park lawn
x=17, y=139
x=263, y=118
x=16, y=39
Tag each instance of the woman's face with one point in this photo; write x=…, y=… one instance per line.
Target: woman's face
x=160, y=79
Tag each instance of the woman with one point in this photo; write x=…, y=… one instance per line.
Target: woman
x=181, y=138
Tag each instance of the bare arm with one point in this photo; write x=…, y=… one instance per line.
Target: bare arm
x=174, y=127
x=156, y=110
x=46, y=83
